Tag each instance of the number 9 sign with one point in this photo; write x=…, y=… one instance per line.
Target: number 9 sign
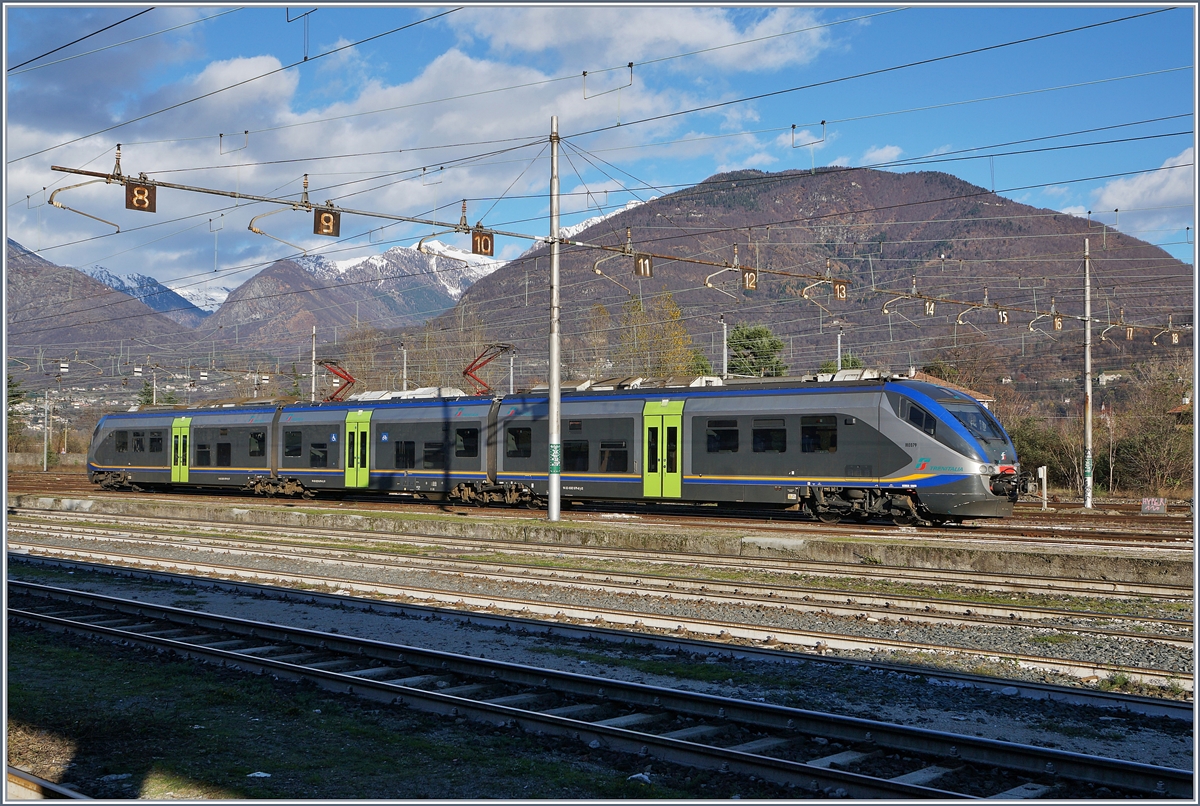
x=327, y=222
x=140, y=197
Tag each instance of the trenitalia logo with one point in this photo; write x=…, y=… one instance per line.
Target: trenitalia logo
x=923, y=464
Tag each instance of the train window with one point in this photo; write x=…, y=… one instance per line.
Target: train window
x=519, y=443
x=575, y=456
x=435, y=456
x=318, y=454
x=224, y=454
x=614, y=456
x=203, y=455
x=976, y=419
x=406, y=455
x=139, y=441
x=918, y=416
x=818, y=433
x=466, y=442
x=121, y=441
x=258, y=443
x=293, y=443
x=574, y=425
x=722, y=436
x=156, y=442
x=770, y=436
x=672, y=450
x=652, y=449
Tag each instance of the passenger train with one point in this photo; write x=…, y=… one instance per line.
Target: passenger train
x=854, y=446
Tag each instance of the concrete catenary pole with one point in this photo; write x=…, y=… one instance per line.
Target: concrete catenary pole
x=312, y=395
x=554, y=494
x=1087, y=376
x=724, y=348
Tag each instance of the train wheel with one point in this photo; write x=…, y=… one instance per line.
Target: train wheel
x=903, y=519
x=829, y=516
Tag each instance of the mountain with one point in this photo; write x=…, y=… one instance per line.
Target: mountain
x=440, y=268
x=58, y=312
x=207, y=298
x=154, y=294
x=399, y=288
x=880, y=231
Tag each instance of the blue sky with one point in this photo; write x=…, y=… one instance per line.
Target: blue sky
x=468, y=97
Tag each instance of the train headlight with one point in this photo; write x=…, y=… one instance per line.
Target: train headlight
x=987, y=470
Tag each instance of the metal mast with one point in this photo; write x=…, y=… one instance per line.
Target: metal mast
x=1087, y=376
x=554, y=495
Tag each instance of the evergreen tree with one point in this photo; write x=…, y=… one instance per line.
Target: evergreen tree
x=849, y=361
x=754, y=351
x=14, y=395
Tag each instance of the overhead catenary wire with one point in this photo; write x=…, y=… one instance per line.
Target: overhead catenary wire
x=232, y=86
x=80, y=39
x=14, y=71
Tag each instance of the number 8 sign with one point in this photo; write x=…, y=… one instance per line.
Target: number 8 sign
x=140, y=197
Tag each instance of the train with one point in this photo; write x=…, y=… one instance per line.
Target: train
x=855, y=446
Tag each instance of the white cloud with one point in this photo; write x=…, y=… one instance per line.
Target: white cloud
x=839, y=162
x=877, y=155
x=1141, y=199
x=597, y=38
x=760, y=159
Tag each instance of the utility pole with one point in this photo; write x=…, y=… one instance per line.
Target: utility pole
x=312, y=395
x=554, y=477
x=724, y=349
x=46, y=431
x=404, y=373
x=1087, y=376
x=839, y=364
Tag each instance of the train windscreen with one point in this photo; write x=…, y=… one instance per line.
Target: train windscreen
x=976, y=420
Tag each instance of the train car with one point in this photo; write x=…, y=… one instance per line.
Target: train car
x=842, y=447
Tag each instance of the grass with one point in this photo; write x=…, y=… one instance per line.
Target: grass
x=1055, y=638
x=79, y=711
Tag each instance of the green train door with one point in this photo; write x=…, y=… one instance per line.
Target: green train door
x=180, y=429
x=358, y=441
x=662, y=441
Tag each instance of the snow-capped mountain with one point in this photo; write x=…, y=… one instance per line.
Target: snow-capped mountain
x=205, y=297
x=575, y=229
x=447, y=268
x=153, y=294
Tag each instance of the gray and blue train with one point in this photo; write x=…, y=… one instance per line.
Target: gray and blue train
x=875, y=448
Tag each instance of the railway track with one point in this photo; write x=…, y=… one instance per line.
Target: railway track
x=823, y=753
x=1028, y=526
x=674, y=641
x=980, y=580
x=634, y=613
x=776, y=594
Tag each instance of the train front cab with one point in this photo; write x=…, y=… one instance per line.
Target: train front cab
x=962, y=458
x=131, y=449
